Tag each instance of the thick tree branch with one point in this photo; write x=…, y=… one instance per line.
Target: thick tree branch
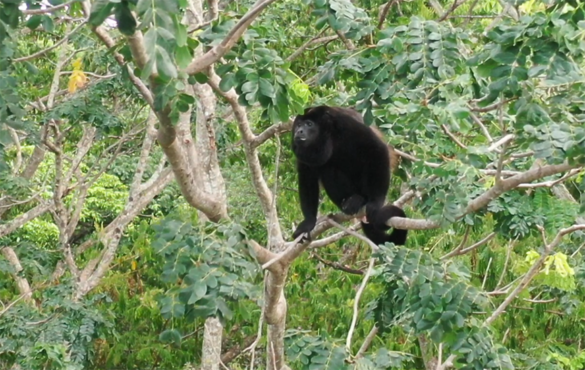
x=260, y=185
x=21, y=281
x=485, y=198
x=103, y=35
x=25, y=217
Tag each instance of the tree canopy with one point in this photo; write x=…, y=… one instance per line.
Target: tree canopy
x=148, y=192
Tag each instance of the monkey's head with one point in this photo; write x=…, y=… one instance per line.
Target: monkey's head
x=305, y=132
x=310, y=136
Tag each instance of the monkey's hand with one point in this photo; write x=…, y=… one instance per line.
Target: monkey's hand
x=305, y=227
x=353, y=204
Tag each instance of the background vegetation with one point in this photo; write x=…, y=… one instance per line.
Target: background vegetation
x=146, y=182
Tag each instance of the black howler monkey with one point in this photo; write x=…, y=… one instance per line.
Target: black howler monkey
x=334, y=147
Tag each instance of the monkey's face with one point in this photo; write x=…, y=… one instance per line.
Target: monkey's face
x=305, y=132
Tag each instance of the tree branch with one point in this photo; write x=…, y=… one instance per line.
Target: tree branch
x=206, y=60
x=54, y=46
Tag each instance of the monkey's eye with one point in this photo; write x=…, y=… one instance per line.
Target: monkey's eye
x=309, y=124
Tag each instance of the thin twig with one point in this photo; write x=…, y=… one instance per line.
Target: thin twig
x=357, y=301
x=456, y=252
x=532, y=272
x=453, y=137
x=54, y=46
x=384, y=13
x=367, y=342
x=456, y=4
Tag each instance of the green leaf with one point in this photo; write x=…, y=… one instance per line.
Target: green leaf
x=187, y=98
x=499, y=85
x=182, y=106
x=164, y=64
x=48, y=24
x=31, y=68
x=171, y=336
x=178, y=309
x=183, y=56
x=34, y=21
x=266, y=88
x=227, y=82
x=504, y=57
x=100, y=10
x=199, y=291
x=250, y=87
x=202, y=78
x=180, y=33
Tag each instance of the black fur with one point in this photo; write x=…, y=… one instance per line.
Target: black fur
x=334, y=147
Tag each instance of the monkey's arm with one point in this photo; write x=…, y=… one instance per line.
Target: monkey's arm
x=309, y=197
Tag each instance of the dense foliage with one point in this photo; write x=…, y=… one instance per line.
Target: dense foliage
x=107, y=263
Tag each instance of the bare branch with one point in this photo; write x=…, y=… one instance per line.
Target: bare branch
x=262, y=191
x=16, y=140
x=315, y=40
x=456, y=4
x=103, y=35
x=356, y=303
x=367, y=342
x=348, y=43
x=136, y=43
x=384, y=13
x=548, y=248
x=351, y=232
x=149, y=137
x=11, y=304
x=333, y=238
x=505, y=268
x=551, y=183
x=337, y=265
x=17, y=222
x=481, y=126
x=504, y=140
x=54, y=46
x=492, y=107
x=485, y=198
x=270, y=132
x=453, y=137
x=112, y=233
x=21, y=281
x=203, y=62
x=460, y=246
x=48, y=8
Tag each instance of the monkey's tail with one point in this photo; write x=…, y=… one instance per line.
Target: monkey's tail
x=376, y=231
